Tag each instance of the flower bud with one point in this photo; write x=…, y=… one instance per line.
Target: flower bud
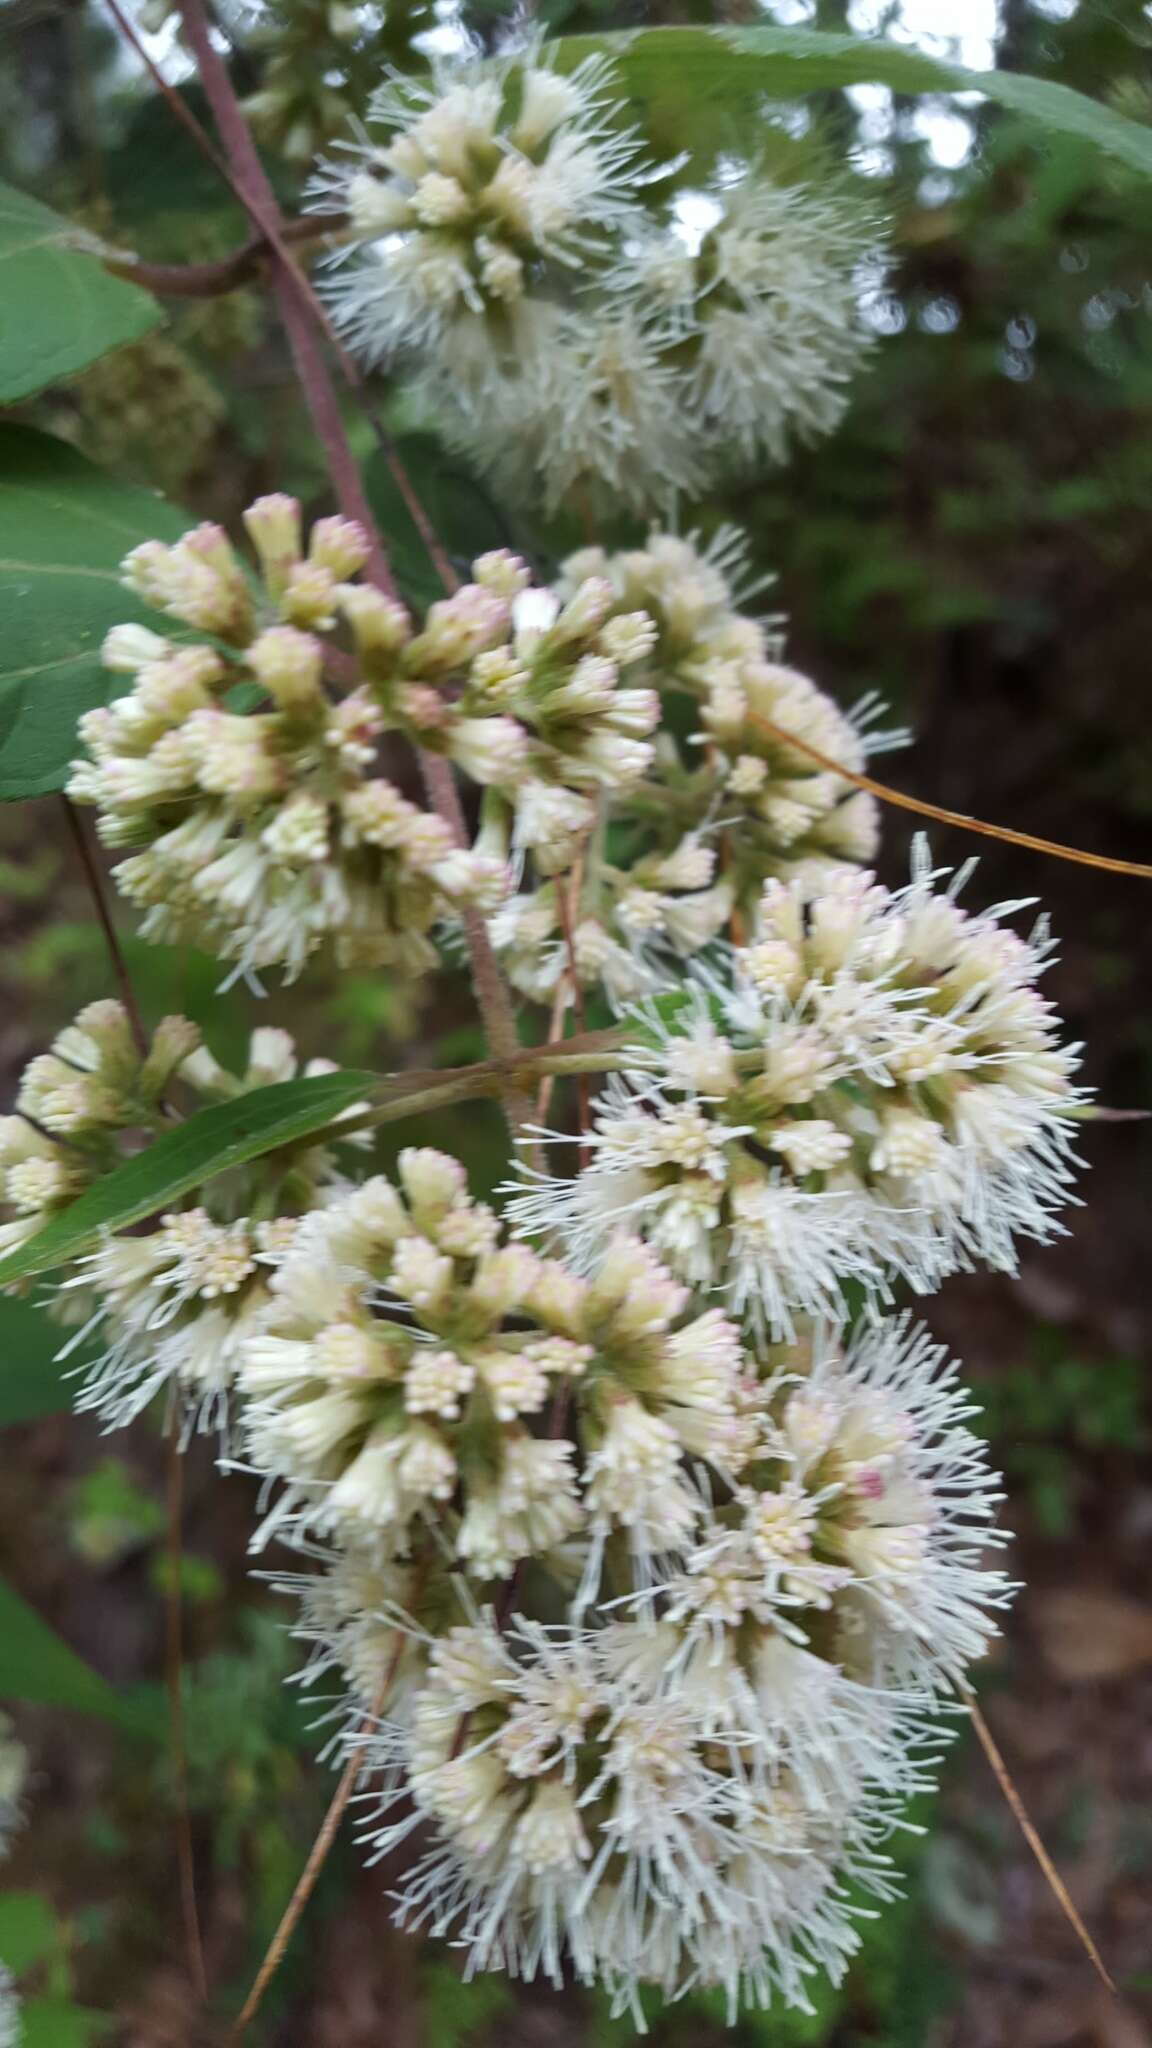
x=288, y=663
x=273, y=526
x=339, y=545
x=128, y=649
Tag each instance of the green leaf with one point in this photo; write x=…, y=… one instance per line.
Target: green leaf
x=29, y=1930
x=37, y=1665
x=686, y=81
x=225, y=1135
x=64, y=530
x=32, y=1382
x=59, y=308
x=57, y=2023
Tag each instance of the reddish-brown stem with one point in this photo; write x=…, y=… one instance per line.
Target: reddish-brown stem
x=253, y=189
x=227, y=273
x=103, y=910
x=174, y=1678
x=303, y=320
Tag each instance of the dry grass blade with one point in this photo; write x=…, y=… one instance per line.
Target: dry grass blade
x=174, y=1678
x=886, y=795
x=317, y=1857
x=1020, y=1814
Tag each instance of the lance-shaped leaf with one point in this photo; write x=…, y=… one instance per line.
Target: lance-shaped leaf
x=59, y=308
x=37, y=1665
x=690, y=83
x=65, y=527
x=224, y=1135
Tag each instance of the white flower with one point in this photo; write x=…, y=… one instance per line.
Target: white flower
x=605, y=1824
x=768, y=309
x=895, y=1103
x=488, y=173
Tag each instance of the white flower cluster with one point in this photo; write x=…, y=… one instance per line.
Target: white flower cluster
x=173, y=1304
x=494, y=178
x=710, y=818
x=646, y=1617
x=265, y=830
x=410, y=1365
x=596, y=1811
x=772, y=1562
x=504, y=229
x=74, y=1106
x=639, y=1577
x=881, y=1092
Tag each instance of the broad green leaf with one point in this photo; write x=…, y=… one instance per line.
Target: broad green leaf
x=59, y=308
x=32, y=1382
x=37, y=1665
x=224, y=1135
x=65, y=527
x=686, y=81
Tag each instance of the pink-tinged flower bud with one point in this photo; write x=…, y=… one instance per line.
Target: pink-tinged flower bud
x=273, y=525
x=339, y=545
x=379, y=625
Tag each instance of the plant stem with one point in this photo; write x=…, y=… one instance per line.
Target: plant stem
x=317, y=1856
x=174, y=1679
x=103, y=910
x=173, y=1651
x=298, y=312
x=227, y=273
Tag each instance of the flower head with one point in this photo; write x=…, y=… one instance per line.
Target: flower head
x=881, y=1091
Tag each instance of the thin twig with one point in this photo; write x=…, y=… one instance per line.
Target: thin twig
x=174, y=1648
x=225, y=273
x=302, y=313
x=555, y=1031
x=174, y=1678
x=886, y=795
x=1055, y=1882
x=317, y=1856
x=565, y=901
x=103, y=910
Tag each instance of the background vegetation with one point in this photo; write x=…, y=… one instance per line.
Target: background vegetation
x=974, y=542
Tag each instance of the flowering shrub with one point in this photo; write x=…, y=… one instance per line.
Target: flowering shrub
x=644, y=1543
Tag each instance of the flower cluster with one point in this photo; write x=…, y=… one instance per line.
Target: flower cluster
x=671, y=1786
x=681, y=853
x=75, y=1105
x=493, y=181
x=170, y=1305
x=881, y=1092
x=766, y=311
x=589, y=1817
x=504, y=228
x=265, y=828
x=637, y=1576
x=410, y=1365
